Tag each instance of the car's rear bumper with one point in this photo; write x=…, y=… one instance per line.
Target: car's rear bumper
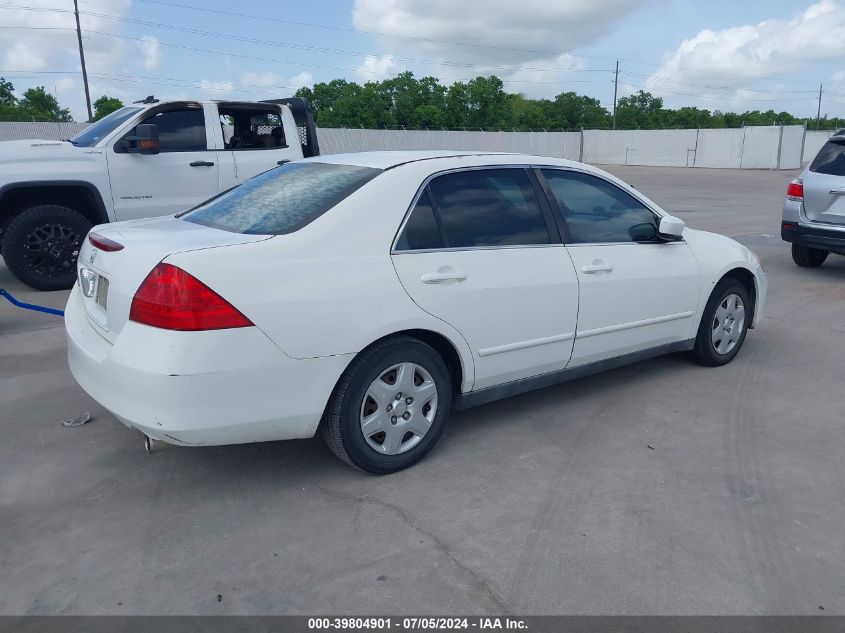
x=822, y=236
x=199, y=388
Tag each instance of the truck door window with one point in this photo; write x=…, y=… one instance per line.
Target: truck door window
x=180, y=130
x=246, y=128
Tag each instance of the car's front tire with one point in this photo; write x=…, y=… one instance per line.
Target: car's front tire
x=808, y=257
x=389, y=407
x=41, y=244
x=724, y=324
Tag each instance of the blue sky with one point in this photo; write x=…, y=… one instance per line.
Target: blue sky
x=717, y=54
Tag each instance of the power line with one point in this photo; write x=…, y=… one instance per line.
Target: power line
x=332, y=51
x=409, y=37
x=712, y=86
x=440, y=41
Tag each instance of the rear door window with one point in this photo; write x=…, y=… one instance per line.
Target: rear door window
x=830, y=159
x=488, y=207
x=422, y=232
x=282, y=200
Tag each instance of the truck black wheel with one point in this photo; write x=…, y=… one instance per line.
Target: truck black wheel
x=41, y=244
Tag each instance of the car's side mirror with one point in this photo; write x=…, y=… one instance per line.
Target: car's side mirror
x=143, y=141
x=671, y=228
x=643, y=232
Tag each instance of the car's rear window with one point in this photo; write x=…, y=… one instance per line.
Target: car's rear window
x=830, y=159
x=282, y=200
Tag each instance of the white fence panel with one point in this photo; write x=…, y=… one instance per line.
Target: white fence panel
x=669, y=148
x=606, y=147
x=557, y=144
x=760, y=148
x=769, y=147
x=813, y=142
x=791, y=145
x=720, y=148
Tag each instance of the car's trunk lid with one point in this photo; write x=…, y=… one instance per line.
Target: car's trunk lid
x=145, y=243
x=824, y=184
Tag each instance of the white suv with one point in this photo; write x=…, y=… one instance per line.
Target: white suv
x=149, y=159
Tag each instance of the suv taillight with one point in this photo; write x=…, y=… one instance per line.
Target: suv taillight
x=795, y=190
x=172, y=299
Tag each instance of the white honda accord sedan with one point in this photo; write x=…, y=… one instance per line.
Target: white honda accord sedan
x=367, y=295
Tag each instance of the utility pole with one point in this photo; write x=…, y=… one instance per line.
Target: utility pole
x=615, y=89
x=819, y=111
x=82, y=59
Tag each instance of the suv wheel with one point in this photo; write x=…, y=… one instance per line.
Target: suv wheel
x=41, y=244
x=389, y=407
x=808, y=257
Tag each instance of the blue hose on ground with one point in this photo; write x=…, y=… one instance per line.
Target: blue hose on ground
x=30, y=306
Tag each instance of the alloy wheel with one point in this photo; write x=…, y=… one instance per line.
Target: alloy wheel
x=52, y=249
x=398, y=408
x=728, y=324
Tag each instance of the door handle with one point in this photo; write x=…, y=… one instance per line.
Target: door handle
x=436, y=278
x=837, y=192
x=282, y=162
x=202, y=163
x=598, y=266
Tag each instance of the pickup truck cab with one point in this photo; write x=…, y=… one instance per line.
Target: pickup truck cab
x=147, y=159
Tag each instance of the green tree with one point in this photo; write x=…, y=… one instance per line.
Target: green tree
x=572, y=111
x=105, y=105
x=37, y=103
x=8, y=101
x=641, y=110
x=410, y=102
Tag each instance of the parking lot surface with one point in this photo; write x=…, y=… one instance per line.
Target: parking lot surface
x=659, y=488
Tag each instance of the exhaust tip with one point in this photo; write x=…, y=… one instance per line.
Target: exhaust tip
x=152, y=445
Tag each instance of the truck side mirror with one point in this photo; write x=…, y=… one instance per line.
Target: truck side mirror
x=143, y=141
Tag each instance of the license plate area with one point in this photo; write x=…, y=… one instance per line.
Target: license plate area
x=102, y=295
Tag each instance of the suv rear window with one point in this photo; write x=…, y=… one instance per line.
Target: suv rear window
x=282, y=200
x=830, y=159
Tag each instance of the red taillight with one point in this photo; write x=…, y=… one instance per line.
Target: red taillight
x=172, y=299
x=795, y=190
x=104, y=243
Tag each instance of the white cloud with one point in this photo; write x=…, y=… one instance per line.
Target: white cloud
x=265, y=79
x=555, y=26
x=52, y=46
x=151, y=52
x=377, y=68
x=217, y=86
x=301, y=80
x=742, y=56
x=527, y=44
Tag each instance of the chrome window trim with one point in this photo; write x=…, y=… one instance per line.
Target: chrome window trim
x=453, y=170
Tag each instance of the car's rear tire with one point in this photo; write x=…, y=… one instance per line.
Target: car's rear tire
x=808, y=257
x=41, y=244
x=389, y=407
x=724, y=324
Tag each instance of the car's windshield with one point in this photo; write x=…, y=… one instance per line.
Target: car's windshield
x=92, y=135
x=282, y=200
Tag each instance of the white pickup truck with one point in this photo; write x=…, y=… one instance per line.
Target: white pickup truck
x=147, y=159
